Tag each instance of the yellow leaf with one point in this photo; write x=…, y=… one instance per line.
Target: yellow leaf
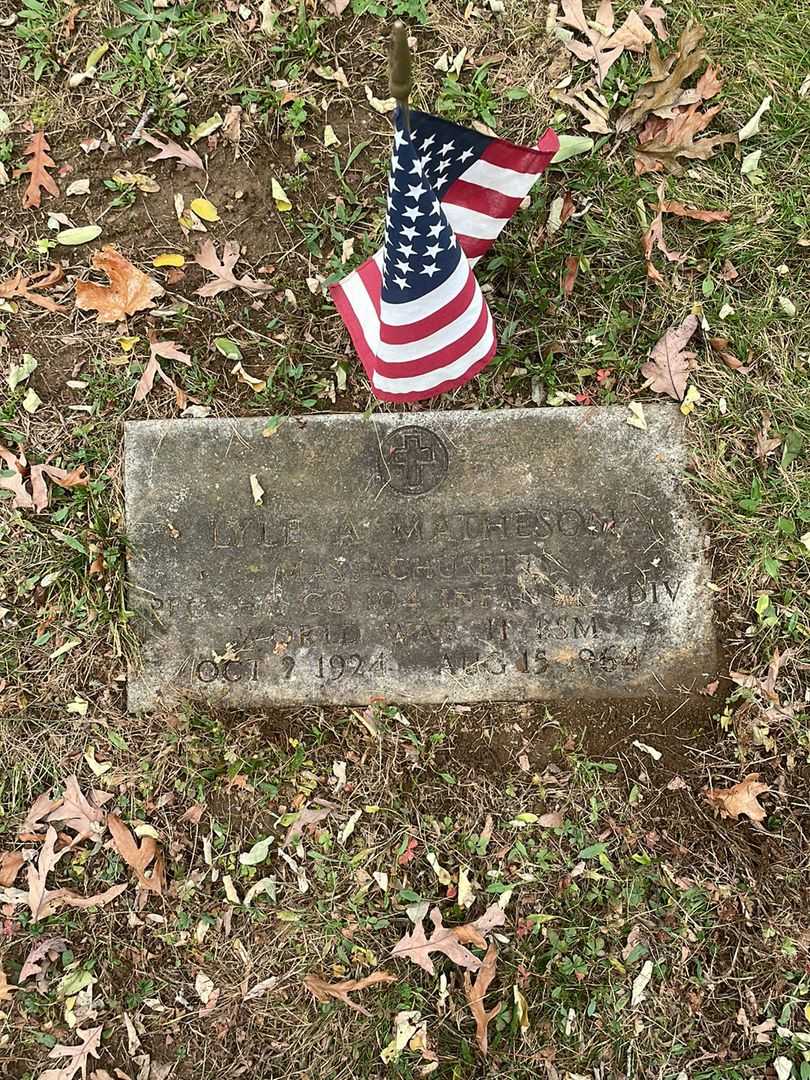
x=204, y=210
x=98, y=768
x=171, y=258
x=691, y=399
x=128, y=343
x=329, y=137
x=522, y=1009
x=283, y=203
x=637, y=419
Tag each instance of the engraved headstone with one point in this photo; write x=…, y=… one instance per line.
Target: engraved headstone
x=438, y=556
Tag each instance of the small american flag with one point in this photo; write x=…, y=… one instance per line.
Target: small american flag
x=415, y=311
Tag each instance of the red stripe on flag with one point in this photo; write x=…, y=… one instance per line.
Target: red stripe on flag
x=484, y=200
x=415, y=331
x=523, y=159
x=442, y=357
x=442, y=388
x=473, y=246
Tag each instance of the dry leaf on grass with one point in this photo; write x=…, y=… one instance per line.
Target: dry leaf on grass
x=225, y=279
x=37, y=498
x=692, y=212
x=742, y=798
x=588, y=101
x=34, y=962
x=664, y=89
x=654, y=238
x=670, y=364
x=720, y=346
x=570, y=275
x=307, y=816
x=5, y=986
x=676, y=139
x=449, y=941
x=169, y=149
x=37, y=168
x=322, y=990
x=80, y=813
x=39, y=898
x=11, y=862
x=138, y=856
x=475, y=993
x=27, y=288
x=79, y=1055
x=169, y=351
x=129, y=291
x=597, y=51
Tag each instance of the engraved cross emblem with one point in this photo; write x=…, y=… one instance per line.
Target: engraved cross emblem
x=414, y=459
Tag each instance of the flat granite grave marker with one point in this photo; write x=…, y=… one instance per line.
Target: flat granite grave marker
x=436, y=556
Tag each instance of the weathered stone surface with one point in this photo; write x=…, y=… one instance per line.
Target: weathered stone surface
x=438, y=556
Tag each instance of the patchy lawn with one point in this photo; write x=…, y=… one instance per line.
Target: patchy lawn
x=638, y=926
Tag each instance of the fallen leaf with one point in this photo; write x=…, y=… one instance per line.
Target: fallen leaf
x=570, y=275
x=170, y=258
x=670, y=364
x=82, y=814
x=79, y=1055
x=306, y=817
x=449, y=941
x=590, y=103
x=636, y=418
x=640, y=984
x=752, y=127
x=739, y=799
x=204, y=987
x=208, y=259
x=409, y=854
x=522, y=1010
x=232, y=125
x=11, y=862
x=256, y=385
x=204, y=210
x=282, y=201
x=336, y=7
x=664, y=89
x=138, y=857
x=206, y=128
x=380, y=105
x=551, y=821
x=656, y=16
x=676, y=139
x=23, y=288
x=76, y=237
x=37, y=149
x=632, y=35
x=170, y=149
x=329, y=137
x=38, y=896
x=168, y=350
x=41, y=951
x=475, y=992
x=680, y=210
x=596, y=49
x=323, y=991
x=78, y=187
x=129, y=291
x=572, y=146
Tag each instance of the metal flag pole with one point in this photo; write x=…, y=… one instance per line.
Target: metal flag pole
x=399, y=70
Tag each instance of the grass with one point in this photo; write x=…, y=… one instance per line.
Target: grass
x=639, y=869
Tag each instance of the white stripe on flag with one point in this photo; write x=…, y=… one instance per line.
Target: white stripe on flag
x=496, y=178
x=441, y=339
x=472, y=223
x=360, y=301
x=439, y=375
x=414, y=310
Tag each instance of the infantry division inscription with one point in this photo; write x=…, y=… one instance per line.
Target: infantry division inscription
x=436, y=556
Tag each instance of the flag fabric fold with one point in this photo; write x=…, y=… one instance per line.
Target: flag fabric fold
x=414, y=310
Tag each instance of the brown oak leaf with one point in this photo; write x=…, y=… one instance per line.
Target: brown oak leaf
x=79, y=1055
x=168, y=350
x=450, y=941
x=81, y=813
x=169, y=149
x=27, y=288
x=670, y=364
x=597, y=33
x=225, y=279
x=739, y=799
x=475, y=992
x=322, y=990
x=37, y=168
x=676, y=139
x=138, y=856
x=129, y=291
x=692, y=212
x=42, y=952
x=306, y=817
x=11, y=862
x=664, y=89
